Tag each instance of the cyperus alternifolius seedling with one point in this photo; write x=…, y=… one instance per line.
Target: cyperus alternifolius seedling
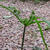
x=26, y=22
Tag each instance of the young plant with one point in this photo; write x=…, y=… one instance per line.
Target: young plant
x=26, y=22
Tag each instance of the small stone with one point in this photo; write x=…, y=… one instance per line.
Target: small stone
x=1, y=27
x=0, y=49
x=6, y=49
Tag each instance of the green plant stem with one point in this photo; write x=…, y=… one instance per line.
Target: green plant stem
x=42, y=34
x=23, y=38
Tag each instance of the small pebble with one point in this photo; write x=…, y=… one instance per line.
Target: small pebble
x=6, y=49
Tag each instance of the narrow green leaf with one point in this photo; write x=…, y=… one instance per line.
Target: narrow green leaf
x=14, y=10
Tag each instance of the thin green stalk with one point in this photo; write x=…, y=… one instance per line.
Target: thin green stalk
x=42, y=34
x=23, y=38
